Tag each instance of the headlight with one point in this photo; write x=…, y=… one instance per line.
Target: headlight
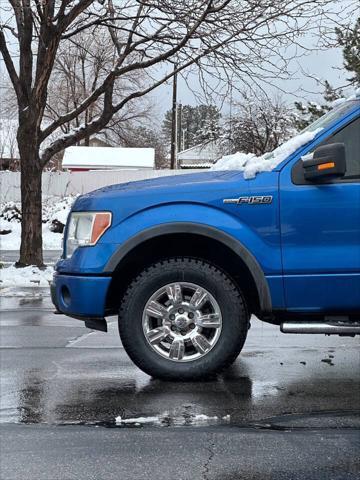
x=85, y=229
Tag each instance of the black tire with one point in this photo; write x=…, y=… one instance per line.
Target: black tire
x=235, y=319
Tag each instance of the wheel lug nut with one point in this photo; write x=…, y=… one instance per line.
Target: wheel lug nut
x=172, y=317
x=173, y=328
x=181, y=311
x=191, y=315
x=192, y=326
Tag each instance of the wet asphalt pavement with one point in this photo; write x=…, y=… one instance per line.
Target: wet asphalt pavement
x=73, y=406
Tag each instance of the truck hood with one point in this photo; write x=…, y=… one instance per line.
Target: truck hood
x=178, y=181
x=168, y=186
x=209, y=188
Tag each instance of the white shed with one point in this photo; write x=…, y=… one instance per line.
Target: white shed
x=108, y=158
x=200, y=156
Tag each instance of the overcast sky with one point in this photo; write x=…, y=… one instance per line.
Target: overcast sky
x=320, y=64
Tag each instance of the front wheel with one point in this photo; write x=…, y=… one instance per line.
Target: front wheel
x=183, y=319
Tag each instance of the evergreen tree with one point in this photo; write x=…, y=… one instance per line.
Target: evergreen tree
x=307, y=114
x=199, y=124
x=350, y=41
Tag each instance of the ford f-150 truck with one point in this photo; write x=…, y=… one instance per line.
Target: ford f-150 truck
x=184, y=261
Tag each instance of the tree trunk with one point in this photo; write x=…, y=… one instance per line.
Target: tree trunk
x=31, y=203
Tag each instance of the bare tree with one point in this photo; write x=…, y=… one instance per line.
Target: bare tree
x=259, y=124
x=249, y=37
x=79, y=69
x=148, y=136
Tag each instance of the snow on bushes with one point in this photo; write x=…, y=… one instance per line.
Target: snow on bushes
x=54, y=215
x=53, y=210
x=57, y=215
x=10, y=212
x=250, y=164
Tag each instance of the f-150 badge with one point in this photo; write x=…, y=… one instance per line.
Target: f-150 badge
x=258, y=200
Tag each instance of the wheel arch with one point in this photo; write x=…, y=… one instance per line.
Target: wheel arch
x=161, y=238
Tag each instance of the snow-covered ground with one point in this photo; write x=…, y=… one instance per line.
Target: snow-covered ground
x=54, y=214
x=54, y=210
x=11, y=241
x=163, y=419
x=25, y=277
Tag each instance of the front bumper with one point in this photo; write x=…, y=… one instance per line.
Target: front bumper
x=80, y=296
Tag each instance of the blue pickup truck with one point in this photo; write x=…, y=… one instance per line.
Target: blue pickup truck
x=184, y=261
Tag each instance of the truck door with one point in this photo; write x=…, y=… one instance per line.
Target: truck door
x=320, y=233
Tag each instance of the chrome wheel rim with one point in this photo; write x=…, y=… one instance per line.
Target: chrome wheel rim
x=182, y=322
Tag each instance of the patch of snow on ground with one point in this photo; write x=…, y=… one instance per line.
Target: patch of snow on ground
x=251, y=164
x=53, y=209
x=203, y=418
x=138, y=420
x=11, y=241
x=163, y=419
x=25, y=277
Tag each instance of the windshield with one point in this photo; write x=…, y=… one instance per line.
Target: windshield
x=335, y=114
x=314, y=128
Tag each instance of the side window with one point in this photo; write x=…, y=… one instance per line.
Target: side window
x=350, y=136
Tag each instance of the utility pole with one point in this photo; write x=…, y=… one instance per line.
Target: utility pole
x=231, y=119
x=174, y=121
x=179, y=128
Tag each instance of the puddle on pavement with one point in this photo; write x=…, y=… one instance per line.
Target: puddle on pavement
x=25, y=292
x=92, y=384
x=131, y=399
x=286, y=423
x=314, y=420
x=25, y=298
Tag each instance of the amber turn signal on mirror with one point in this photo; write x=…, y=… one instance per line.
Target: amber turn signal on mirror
x=325, y=166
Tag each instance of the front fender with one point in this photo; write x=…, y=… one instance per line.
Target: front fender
x=214, y=224
x=267, y=253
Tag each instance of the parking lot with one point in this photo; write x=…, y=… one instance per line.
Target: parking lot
x=74, y=406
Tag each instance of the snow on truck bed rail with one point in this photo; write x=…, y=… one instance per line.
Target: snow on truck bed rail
x=250, y=164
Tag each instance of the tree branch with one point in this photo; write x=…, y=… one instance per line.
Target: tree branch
x=10, y=65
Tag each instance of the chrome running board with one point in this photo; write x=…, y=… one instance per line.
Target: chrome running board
x=327, y=328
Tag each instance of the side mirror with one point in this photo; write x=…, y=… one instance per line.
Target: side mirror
x=325, y=162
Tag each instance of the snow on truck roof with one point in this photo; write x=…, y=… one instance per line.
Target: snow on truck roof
x=102, y=158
